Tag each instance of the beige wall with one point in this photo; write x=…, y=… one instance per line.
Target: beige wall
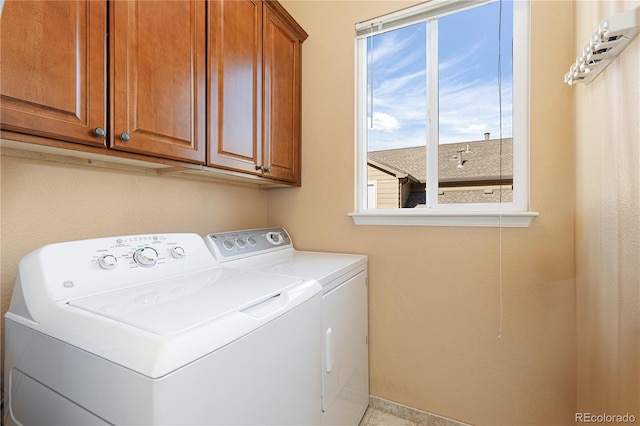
x=433, y=293
x=44, y=202
x=608, y=225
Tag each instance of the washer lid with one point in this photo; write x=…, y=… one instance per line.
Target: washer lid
x=179, y=304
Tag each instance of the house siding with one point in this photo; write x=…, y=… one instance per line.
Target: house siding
x=387, y=188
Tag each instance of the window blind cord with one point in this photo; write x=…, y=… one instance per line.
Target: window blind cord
x=500, y=277
x=370, y=69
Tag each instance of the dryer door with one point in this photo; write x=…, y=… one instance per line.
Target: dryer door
x=345, y=381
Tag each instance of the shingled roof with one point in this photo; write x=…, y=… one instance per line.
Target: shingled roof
x=480, y=160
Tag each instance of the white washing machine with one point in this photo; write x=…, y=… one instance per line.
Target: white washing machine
x=343, y=277
x=150, y=329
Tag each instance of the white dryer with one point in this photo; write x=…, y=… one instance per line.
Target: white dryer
x=343, y=277
x=150, y=329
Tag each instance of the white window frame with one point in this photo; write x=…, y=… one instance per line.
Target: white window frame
x=511, y=214
x=372, y=184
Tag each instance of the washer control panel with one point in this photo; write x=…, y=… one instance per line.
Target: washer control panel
x=81, y=268
x=144, y=251
x=238, y=244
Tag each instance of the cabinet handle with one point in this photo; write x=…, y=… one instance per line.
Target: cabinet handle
x=267, y=170
x=99, y=132
x=124, y=137
x=260, y=167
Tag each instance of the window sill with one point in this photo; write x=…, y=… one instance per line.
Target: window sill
x=430, y=218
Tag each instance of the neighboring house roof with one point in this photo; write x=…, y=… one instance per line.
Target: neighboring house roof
x=487, y=159
x=411, y=160
x=391, y=170
x=481, y=160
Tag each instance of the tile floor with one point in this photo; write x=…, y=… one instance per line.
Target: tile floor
x=373, y=417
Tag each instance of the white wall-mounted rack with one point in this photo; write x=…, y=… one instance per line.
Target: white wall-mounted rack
x=613, y=35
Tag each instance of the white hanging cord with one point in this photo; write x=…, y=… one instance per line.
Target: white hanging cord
x=370, y=68
x=500, y=189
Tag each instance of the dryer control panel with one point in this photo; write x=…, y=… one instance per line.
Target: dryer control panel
x=233, y=245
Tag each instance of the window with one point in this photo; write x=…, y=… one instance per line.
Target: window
x=442, y=115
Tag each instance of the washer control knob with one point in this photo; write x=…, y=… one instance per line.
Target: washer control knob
x=274, y=238
x=178, y=252
x=252, y=241
x=228, y=244
x=108, y=261
x=241, y=242
x=145, y=256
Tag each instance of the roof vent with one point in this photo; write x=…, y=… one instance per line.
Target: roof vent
x=460, y=160
x=486, y=136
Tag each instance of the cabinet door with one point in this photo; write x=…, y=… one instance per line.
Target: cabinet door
x=158, y=78
x=235, y=86
x=53, y=69
x=282, y=69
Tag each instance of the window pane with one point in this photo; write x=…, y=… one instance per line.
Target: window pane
x=475, y=153
x=397, y=118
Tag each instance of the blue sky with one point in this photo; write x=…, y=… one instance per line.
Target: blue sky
x=468, y=70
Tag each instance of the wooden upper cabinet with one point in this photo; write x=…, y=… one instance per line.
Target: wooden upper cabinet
x=235, y=85
x=158, y=72
x=282, y=42
x=52, y=80
x=254, y=89
x=214, y=82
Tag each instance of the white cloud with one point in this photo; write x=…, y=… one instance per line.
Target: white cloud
x=459, y=59
x=468, y=110
x=385, y=122
x=403, y=97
